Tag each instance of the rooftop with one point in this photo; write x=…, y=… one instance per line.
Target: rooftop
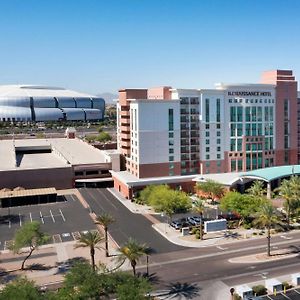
x=45, y=153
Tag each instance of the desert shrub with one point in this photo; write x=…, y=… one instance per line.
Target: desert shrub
x=259, y=290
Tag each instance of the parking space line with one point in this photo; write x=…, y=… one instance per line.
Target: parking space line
x=62, y=215
x=41, y=216
x=52, y=216
x=30, y=217
x=20, y=220
x=9, y=223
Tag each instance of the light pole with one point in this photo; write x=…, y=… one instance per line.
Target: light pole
x=163, y=215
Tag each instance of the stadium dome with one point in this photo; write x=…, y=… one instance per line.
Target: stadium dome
x=44, y=103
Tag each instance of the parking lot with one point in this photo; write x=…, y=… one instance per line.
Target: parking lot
x=63, y=221
x=289, y=295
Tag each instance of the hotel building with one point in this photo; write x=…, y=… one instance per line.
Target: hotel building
x=176, y=133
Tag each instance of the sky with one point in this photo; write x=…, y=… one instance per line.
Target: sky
x=100, y=46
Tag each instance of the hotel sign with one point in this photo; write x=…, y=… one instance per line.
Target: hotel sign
x=243, y=93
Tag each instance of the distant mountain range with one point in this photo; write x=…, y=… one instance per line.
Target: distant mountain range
x=108, y=97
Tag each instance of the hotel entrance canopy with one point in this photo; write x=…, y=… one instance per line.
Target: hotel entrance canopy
x=272, y=173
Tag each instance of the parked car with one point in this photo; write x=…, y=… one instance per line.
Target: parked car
x=194, y=220
x=180, y=223
x=229, y=217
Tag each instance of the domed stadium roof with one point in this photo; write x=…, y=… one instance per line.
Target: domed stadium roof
x=44, y=103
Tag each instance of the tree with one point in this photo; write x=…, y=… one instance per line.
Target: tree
x=103, y=137
x=199, y=208
x=91, y=239
x=132, y=251
x=267, y=218
x=21, y=288
x=289, y=190
x=164, y=199
x=105, y=220
x=243, y=204
x=211, y=188
x=30, y=235
x=133, y=288
x=257, y=189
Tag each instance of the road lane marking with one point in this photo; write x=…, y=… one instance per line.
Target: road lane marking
x=30, y=217
x=9, y=223
x=41, y=217
x=286, y=237
x=62, y=215
x=221, y=248
x=185, y=259
x=20, y=220
x=52, y=216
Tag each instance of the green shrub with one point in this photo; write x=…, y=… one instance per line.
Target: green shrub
x=287, y=285
x=195, y=230
x=237, y=297
x=259, y=290
x=254, y=233
x=197, y=236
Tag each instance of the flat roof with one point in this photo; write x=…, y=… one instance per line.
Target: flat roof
x=131, y=181
x=223, y=178
x=27, y=193
x=64, y=153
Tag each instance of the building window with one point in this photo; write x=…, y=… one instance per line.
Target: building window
x=207, y=142
x=207, y=156
x=171, y=158
x=171, y=151
x=218, y=126
x=171, y=119
x=207, y=149
x=206, y=126
x=207, y=110
x=171, y=135
x=218, y=148
x=218, y=141
x=218, y=133
x=218, y=110
x=207, y=164
x=218, y=157
x=207, y=133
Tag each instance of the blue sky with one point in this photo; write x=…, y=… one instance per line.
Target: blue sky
x=102, y=45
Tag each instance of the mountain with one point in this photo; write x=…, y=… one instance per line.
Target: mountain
x=108, y=97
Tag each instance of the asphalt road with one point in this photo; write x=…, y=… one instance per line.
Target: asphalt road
x=208, y=266
x=127, y=224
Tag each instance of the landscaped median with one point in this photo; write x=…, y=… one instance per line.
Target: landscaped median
x=263, y=257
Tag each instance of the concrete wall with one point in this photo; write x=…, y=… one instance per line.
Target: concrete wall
x=60, y=178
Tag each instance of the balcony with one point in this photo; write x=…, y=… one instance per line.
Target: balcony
x=125, y=136
x=194, y=149
x=184, y=120
x=194, y=102
x=184, y=150
x=194, y=127
x=184, y=112
x=194, y=135
x=194, y=112
x=125, y=113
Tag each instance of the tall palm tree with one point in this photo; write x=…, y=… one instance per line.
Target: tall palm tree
x=257, y=189
x=285, y=191
x=267, y=218
x=105, y=220
x=199, y=208
x=132, y=251
x=91, y=239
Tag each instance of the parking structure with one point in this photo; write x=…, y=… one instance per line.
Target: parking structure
x=64, y=221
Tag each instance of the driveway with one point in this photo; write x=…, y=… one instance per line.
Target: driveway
x=127, y=224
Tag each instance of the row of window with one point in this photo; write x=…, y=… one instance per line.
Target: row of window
x=252, y=113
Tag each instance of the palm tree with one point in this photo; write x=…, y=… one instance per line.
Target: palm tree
x=132, y=251
x=257, y=189
x=267, y=218
x=91, y=239
x=199, y=208
x=105, y=220
x=285, y=191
